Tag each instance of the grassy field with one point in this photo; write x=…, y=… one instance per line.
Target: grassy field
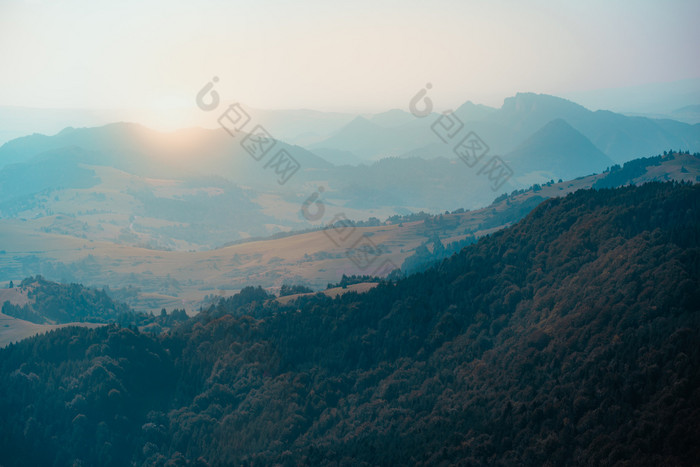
x=14, y=330
x=16, y=296
x=332, y=292
x=184, y=279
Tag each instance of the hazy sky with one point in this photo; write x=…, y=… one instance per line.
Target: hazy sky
x=359, y=55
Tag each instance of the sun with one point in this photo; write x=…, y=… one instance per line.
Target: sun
x=171, y=112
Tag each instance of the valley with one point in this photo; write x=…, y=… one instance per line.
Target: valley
x=150, y=279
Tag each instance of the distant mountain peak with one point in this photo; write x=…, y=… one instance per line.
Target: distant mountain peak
x=66, y=130
x=391, y=112
x=358, y=126
x=472, y=105
x=359, y=120
x=392, y=118
x=529, y=101
x=471, y=111
x=555, y=135
x=559, y=149
x=559, y=124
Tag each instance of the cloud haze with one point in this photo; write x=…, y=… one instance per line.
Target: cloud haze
x=365, y=55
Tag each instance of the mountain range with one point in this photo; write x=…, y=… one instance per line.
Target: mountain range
x=119, y=205
x=619, y=137
x=198, y=189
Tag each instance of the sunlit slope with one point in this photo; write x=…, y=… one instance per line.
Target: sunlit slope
x=184, y=278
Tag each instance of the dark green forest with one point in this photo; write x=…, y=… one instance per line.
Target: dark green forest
x=54, y=303
x=65, y=303
x=570, y=338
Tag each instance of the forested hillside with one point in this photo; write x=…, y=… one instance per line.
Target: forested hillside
x=50, y=302
x=570, y=338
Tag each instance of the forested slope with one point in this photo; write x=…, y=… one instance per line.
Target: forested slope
x=50, y=302
x=570, y=338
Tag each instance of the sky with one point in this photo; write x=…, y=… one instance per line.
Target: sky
x=344, y=56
